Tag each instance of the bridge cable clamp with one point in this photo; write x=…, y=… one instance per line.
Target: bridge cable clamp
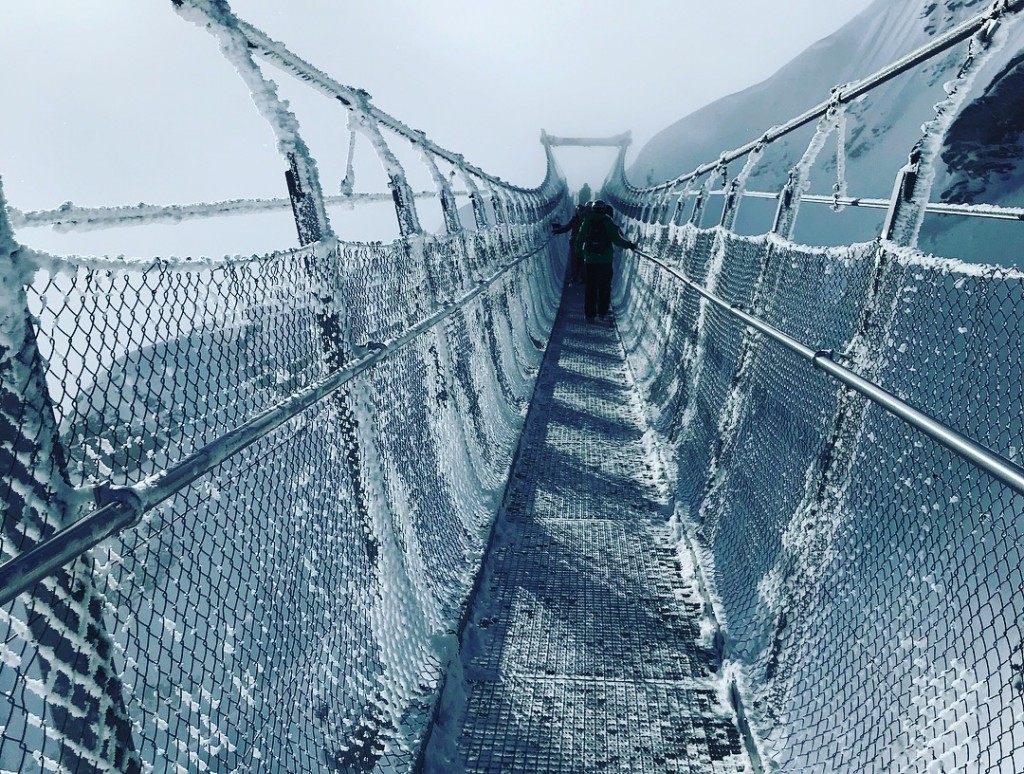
x=824, y=354
x=106, y=494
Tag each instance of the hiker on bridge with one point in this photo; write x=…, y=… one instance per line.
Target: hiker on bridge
x=573, y=226
x=595, y=244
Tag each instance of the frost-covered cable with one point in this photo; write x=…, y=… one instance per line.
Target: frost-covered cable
x=1004, y=470
x=279, y=55
x=990, y=211
x=799, y=177
x=216, y=17
x=363, y=118
x=985, y=20
x=913, y=186
x=68, y=217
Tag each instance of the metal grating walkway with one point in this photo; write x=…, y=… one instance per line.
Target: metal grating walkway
x=581, y=650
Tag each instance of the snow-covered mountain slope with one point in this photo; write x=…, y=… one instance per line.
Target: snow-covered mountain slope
x=981, y=157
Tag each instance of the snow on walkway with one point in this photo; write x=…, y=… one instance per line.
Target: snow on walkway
x=581, y=649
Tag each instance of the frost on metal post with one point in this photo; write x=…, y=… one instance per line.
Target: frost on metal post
x=216, y=16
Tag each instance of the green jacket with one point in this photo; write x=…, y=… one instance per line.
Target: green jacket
x=599, y=221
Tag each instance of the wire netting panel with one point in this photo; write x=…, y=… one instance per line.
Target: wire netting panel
x=147, y=362
x=869, y=580
x=292, y=609
x=916, y=638
x=955, y=347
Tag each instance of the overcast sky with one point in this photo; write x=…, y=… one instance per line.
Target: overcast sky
x=120, y=101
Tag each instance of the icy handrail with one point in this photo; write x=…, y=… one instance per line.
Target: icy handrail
x=847, y=93
x=1004, y=470
x=993, y=211
x=69, y=217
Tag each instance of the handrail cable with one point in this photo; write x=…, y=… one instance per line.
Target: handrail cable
x=992, y=211
x=851, y=91
x=122, y=507
x=1001, y=468
x=70, y=217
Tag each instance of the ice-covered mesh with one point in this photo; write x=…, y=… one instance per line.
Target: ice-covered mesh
x=868, y=579
x=291, y=610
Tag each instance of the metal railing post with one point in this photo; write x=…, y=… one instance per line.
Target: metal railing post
x=698, y=208
x=730, y=207
x=784, y=220
x=902, y=193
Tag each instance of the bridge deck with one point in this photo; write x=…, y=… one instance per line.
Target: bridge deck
x=581, y=652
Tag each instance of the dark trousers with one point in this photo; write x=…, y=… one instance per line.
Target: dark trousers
x=598, y=295
x=575, y=265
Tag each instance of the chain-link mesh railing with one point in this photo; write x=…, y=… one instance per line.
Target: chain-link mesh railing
x=862, y=535
x=245, y=499
x=292, y=608
x=869, y=579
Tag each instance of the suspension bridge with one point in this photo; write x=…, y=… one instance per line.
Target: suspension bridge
x=365, y=507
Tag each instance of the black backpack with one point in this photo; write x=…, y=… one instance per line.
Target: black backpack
x=599, y=234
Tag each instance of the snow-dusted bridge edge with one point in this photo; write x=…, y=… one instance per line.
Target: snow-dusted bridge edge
x=309, y=447
x=847, y=430
x=256, y=489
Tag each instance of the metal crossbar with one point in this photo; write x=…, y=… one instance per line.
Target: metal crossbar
x=989, y=211
x=69, y=217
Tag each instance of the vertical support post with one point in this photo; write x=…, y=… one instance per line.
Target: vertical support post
x=405, y=206
x=475, y=197
x=902, y=193
x=784, y=220
x=698, y=208
x=677, y=215
x=479, y=209
x=449, y=208
x=665, y=211
x=85, y=700
x=304, y=210
x=348, y=182
x=729, y=209
x=498, y=206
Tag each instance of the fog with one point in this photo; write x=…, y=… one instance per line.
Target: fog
x=122, y=101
